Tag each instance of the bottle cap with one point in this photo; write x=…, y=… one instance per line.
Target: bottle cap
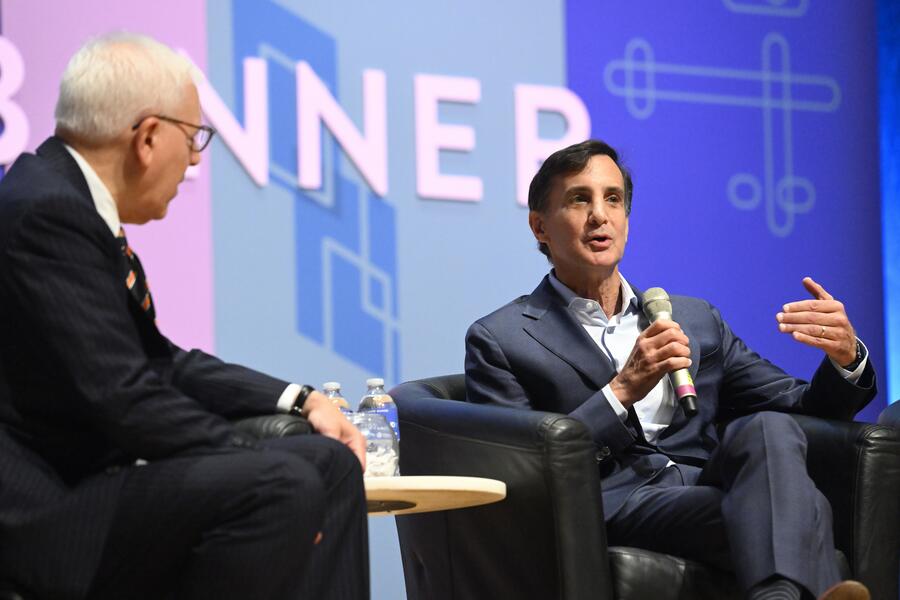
x=331, y=386
x=375, y=382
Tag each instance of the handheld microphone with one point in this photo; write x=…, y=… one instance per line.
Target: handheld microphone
x=657, y=307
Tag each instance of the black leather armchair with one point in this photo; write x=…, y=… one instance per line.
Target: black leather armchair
x=547, y=539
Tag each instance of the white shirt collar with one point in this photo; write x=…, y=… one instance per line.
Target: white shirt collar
x=103, y=200
x=589, y=311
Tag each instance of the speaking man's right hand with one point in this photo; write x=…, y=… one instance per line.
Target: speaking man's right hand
x=660, y=349
x=328, y=420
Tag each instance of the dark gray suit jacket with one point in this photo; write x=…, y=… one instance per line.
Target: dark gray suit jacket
x=533, y=354
x=87, y=382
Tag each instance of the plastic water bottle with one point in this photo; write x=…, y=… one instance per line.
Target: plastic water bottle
x=378, y=401
x=382, y=442
x=332, y=391
x=382, y=459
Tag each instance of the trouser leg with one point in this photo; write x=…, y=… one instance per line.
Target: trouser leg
x=338, y=566
x=670, y=517
x=754, y=509
x=233, y=523
x=778, y=522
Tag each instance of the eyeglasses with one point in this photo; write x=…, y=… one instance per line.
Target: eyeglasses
x=201, y=138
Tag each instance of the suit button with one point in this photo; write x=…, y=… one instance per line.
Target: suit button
x=113, y=469
x=602, y=454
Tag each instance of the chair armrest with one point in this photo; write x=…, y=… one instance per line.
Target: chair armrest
x=547, y=539
x=857, y=467
x=273, y=426
x=890, y=416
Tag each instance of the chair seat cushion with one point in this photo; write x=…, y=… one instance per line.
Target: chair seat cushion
x=638, y=574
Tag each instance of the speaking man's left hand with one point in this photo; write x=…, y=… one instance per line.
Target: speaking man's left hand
x=820, y=323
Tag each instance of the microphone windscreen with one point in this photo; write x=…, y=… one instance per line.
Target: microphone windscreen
x=656, y=301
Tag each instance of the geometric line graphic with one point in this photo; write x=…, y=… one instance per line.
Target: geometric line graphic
x=771, y=8
x=345, y=235
x=774, y=90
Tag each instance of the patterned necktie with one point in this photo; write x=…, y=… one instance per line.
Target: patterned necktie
x=136, y=281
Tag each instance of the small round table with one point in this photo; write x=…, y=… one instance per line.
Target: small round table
x=425, y=493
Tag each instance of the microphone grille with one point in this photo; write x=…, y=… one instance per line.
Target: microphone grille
x=656, y=300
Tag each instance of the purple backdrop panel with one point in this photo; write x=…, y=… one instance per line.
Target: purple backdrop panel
x=751, y=130
x=177, y=252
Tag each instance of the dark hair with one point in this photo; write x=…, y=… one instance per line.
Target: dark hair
x=568, y=161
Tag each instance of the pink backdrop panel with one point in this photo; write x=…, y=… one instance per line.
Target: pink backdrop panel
x=176, y=252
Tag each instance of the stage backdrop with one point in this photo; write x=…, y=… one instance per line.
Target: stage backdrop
x=364, y=201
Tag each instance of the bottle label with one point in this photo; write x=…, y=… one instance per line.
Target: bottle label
x=389, y=411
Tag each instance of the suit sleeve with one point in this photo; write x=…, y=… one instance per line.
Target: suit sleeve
x=65, y=280
x=750, y=384
x=226, y=389
x=489, y=377
x=490, y=380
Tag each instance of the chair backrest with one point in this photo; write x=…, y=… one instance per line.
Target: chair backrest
x=445, y=387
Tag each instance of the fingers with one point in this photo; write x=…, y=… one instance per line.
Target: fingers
x=327, y=420
x=674, y=355
x=814, y=323
x=819, y=306
x=661, y=348
x=816, y=290
x=357, y=443
x=834, y=326
x=664, y=340
x=832, y=318
x=822, y=302
x=821, y=323
x=663, y=332
x=812, y=330
x=343, y=431
x=830, y=347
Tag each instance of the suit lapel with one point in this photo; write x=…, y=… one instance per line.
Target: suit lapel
x=54, y=152
x=552, y=326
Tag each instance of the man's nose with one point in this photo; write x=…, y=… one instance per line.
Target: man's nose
x=598, y=212
x=195, y=158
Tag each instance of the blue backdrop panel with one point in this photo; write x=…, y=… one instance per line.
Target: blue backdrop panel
x=339, y=283
x=889, y=93
x=751, y=129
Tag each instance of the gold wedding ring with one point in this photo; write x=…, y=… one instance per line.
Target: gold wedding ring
x=821, y=335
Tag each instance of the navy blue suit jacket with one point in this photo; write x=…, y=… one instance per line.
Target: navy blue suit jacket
x=533, y=354
x=87, y=382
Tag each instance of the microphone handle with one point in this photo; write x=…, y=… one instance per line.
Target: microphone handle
x=684, y=389
x=681, y=379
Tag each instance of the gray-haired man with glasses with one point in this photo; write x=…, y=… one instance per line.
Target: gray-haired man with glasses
x=88, y=384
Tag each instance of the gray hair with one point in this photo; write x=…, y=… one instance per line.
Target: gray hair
x=116, y=79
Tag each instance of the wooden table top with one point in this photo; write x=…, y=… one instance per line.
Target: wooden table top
x=426, y=493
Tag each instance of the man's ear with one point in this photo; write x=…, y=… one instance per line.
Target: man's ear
x=146, y=140
x=536, y=222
